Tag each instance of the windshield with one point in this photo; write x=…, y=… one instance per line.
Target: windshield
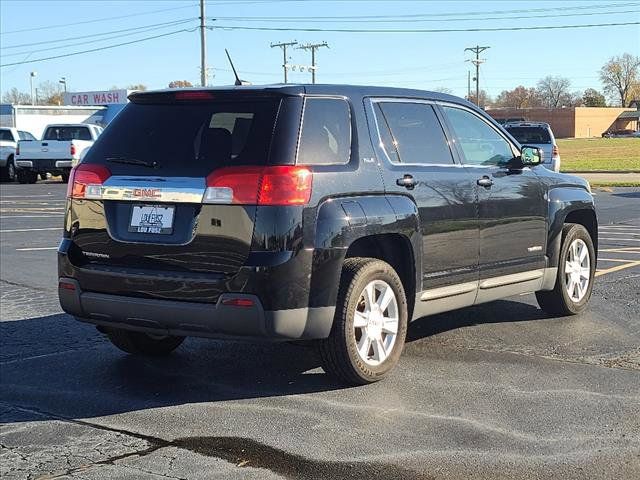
x=186, y=139
x=529, y=135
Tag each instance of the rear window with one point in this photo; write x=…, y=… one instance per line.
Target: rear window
x=26, y=136
x=187, y=139
x=66, y=133
x=529, y=135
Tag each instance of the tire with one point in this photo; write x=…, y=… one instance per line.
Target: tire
x=26, y=176
x=9, y=171
x=138, y=343
x=560, y=301
x=340, y=352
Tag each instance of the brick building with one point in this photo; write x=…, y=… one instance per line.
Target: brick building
x=578, y=122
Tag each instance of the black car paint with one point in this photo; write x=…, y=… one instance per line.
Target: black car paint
x=291, y=257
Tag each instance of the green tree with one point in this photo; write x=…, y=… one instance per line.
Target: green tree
x=593, y=98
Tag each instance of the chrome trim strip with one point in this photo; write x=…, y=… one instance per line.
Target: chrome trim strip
x=63, y=163
x=24, y=163
x=511, y=279
x=448, y=291
x=153, y=189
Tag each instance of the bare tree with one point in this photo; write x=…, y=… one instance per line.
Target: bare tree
x=619, y=76
x=180, y=84
x=16, y=97
x=49, y=93
x=485, y=99
x=553, y=90
x=446, y=90
x=519, y=97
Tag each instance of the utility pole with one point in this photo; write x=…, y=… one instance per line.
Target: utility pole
x=313, y=47
x=477, y=50
x=284, y=46
x=468, y=84
x=31, y=75
x=203, y=46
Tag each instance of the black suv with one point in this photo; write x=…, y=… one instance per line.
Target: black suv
x=310, y=212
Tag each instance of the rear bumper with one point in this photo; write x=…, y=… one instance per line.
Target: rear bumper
x=44, y=165
x=169, y=317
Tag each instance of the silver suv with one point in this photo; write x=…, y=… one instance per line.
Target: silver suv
x=537, y=134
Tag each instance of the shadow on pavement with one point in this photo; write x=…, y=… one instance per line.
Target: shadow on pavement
x=56, y=364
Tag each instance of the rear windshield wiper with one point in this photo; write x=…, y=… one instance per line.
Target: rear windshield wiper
x=132, y=161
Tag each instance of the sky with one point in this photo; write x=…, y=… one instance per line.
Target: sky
x=34, y=29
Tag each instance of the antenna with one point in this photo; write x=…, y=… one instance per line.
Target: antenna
x=238, y=82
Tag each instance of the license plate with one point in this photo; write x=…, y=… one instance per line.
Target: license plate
x=151, y=219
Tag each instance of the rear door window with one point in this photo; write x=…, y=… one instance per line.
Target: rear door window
x=326, y=132
x=187, y=139
x=66, y=133
x=413, y=133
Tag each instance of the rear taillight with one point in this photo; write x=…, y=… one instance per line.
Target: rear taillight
x=85, y=181
x=555, y=152
x=72, y=149
x=193, y=95
x=18, y=149
x=277, y=185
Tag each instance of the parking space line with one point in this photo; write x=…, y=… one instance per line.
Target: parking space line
x=35, y=248
x=48, y=215
x=621, y=260
x=30, y=229
x=621, y=239
x=617, y=268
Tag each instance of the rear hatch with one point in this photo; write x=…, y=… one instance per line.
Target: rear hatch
x=144, y=197
x=534, y=136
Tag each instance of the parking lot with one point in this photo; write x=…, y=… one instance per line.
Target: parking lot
x=499, y=390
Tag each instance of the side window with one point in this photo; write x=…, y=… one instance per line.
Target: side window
x=326, y=132
x=480, y=143
x=414, y=134
x=6, y=136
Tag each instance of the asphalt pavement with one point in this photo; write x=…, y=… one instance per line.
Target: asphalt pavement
x=500, y=390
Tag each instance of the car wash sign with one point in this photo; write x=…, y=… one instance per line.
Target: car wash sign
x=107, y=97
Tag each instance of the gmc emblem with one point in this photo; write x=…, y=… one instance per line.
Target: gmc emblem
x=147, y=192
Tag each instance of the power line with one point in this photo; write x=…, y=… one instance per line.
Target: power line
x=84, y=22
x=99, y=48
x=143, y=27
x=450, y=14
x=419, y=30
x=416, y=20
x=104, y=39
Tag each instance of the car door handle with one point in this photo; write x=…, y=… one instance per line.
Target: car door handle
x=485, y=182
x=406, y=181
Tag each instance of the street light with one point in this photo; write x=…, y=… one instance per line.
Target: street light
x=33, y=74
x=63, y=81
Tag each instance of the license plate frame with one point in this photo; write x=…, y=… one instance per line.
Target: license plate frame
x=150, y=219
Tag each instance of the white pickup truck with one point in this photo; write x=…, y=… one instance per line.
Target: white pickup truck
x=9, y=138
x=61, y=147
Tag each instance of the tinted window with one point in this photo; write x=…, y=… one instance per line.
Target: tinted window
x=26, y=136
x=6, y=135
x=416, y=133
x=187, y=139
x=529, y=135
x=67, y=132
x=480, y=143
x=326, y=132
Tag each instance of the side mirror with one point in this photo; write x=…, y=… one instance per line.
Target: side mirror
x=530, y=156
